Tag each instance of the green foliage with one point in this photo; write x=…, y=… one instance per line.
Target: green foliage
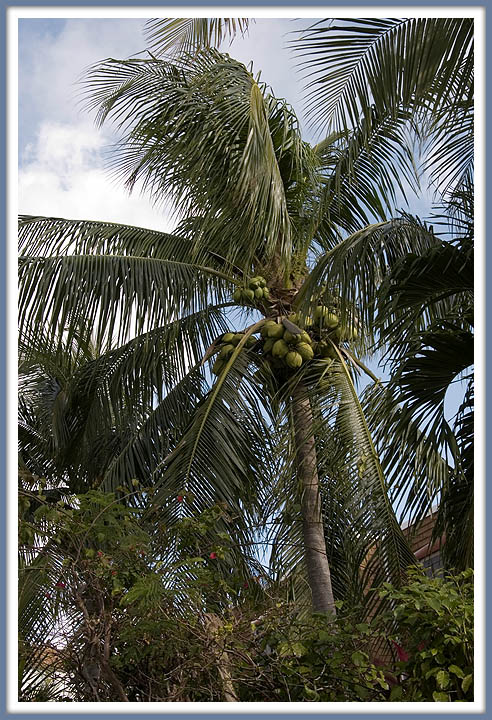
x=435, y=621
x=312, y=659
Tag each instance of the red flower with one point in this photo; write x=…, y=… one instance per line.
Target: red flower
x=100, y=553
x=60, y=584
x=180, y=498
x=421, y=645
x=113, y=572
x=245, y=585
x=47, y=595
x=402, y=654
x=213, y=556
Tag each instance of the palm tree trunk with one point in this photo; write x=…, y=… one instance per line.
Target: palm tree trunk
x=318, y=568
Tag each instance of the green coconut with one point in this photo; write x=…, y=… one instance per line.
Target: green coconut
x=326, y=350
x=330, y=320
x=227, y=337
x=226, y=351
x=337, y=334
x=268, y=344
x=305, y=351
x=218, y=366
x=259, y=293
x=280, y=348
x=249, y=295
x=320, y=313
x=293, y=359
x=237, y=295
x=266, y=326
x=275, y=331
x=292, y=337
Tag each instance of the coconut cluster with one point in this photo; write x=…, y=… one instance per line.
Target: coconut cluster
x=226, y=347
x=286, y=347
x=286, y=343
x=254, y=292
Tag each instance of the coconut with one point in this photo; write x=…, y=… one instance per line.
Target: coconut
x=305, y=351
x=326, y=350
x=320, y=313
x=268, y=344
x=275, y=331
x=249, y=295
x=292, y=337
x=258, y=293
x=218, y=366
x=293, y=359
x=226, y=351
x=330, y=320
x=305, y=338
x=280, y=348
x=227, y=337
x=238, y=295
x=264, y=328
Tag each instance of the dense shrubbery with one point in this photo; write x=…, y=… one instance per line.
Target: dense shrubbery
x=133, y=625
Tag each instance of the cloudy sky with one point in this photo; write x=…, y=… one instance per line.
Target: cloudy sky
x=61, y=153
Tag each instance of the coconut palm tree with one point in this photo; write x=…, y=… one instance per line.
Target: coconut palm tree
x=273, y=239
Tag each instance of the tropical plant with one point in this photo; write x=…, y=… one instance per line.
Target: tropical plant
x=435, y=642
x=264, y=218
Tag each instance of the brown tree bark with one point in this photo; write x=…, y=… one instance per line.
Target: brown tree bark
x=316, y=559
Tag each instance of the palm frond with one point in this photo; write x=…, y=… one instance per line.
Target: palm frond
x=197, y=131
x=185, y=35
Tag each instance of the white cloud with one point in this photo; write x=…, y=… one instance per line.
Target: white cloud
x=62, y=175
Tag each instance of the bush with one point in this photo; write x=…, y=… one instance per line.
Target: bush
x=435, y=637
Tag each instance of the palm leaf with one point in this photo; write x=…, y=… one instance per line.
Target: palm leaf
x=185, y=35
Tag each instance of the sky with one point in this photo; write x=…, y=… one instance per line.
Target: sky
x=61, y=152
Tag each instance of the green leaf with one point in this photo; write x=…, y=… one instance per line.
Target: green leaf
x=435, y=603
x=466, y=682
x=442, y=679
x=359, y=658
x=456, y=670
x=440, y=696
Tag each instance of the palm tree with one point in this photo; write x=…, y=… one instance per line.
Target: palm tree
x=255, y=205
